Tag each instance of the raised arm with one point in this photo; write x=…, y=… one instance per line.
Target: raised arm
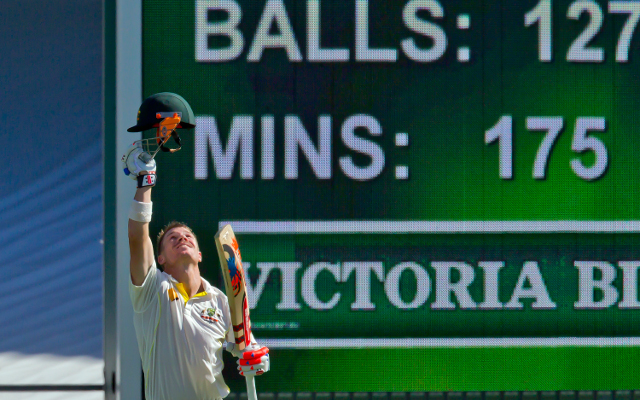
x=140, y=245
x=140, y=167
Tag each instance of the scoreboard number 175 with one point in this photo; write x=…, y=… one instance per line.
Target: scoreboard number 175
x=502, y=132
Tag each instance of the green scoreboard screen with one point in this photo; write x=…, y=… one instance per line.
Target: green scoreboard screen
x=428, y=195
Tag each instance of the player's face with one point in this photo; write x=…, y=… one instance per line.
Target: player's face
x=180, y=244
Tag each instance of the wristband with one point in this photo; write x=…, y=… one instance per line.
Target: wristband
x=140, y=212
x=148, y=180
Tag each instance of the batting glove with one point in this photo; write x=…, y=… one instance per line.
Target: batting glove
x=138, y=165
x=254, y=362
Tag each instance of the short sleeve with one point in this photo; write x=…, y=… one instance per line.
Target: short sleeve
x=143, y=295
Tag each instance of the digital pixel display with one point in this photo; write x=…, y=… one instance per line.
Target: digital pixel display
x=428, y=195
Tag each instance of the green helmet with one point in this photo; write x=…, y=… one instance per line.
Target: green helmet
x=163, y=103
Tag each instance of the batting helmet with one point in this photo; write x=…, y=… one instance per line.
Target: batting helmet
x=162, y=103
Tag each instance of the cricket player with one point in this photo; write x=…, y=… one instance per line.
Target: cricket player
x=181, y=321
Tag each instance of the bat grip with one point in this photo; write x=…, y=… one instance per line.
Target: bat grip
x=251, y=388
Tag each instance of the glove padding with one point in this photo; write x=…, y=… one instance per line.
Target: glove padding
x=134, y=162
x=253, y=361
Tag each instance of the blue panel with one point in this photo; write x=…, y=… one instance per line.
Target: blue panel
x=51, y=191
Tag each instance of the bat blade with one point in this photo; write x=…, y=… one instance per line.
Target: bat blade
x=234, y=283
x=235, y=287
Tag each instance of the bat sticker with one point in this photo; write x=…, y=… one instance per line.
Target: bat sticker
x=234, y=263
x=246, y=319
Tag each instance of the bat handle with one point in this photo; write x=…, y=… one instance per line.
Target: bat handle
x=251, y=388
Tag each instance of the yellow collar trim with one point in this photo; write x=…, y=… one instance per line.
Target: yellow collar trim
x=184, y=294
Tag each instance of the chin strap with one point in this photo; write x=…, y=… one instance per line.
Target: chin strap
x=176, y=138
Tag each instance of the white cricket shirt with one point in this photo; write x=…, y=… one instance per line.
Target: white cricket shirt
x=180, y=340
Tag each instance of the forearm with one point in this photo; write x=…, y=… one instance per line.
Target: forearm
x=140, y=245
x=143, y=195
x=139, y=230
x=138, y=226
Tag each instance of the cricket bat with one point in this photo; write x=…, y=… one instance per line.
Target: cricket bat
x=234, y=283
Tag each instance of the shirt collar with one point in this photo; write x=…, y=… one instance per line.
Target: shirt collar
x=180, y=288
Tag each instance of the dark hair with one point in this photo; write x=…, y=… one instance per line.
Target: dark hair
x=167, y=228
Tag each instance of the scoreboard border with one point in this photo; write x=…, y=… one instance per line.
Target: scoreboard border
x=337, y=343
x=426, y=227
